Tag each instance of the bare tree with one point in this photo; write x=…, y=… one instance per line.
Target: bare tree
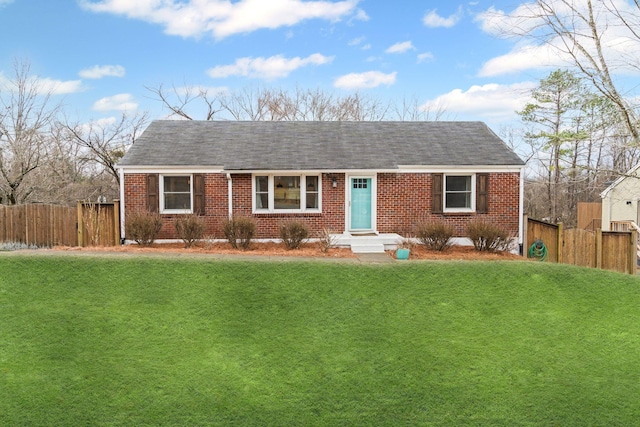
x=264, y=104
x=180, y=101
x=410, y=110
x=26, y=116
x=587, y=33
x=106, y=142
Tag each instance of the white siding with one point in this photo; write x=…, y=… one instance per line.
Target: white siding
x=620, y=201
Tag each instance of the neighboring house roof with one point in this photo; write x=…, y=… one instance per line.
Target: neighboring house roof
x=259, y=145
x=630, y=173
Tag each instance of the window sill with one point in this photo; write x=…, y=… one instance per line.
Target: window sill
x=176, y=212
x=460, y=212
x=286, y=212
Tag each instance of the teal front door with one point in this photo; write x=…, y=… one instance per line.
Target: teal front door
x=361, y=203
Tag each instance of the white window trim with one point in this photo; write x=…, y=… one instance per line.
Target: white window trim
x=303, y=194
x=473, y=194
x=161, y=191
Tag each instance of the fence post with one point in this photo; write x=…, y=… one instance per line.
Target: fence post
x=560, y=242
x=599, y=248
x=80, y=225
x=633, y=251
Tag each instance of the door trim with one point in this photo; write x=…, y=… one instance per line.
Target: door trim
x=374, y=202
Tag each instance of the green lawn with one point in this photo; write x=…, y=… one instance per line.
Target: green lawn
x=158, y=341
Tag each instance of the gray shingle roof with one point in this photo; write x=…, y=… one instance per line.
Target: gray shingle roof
x=318, y=145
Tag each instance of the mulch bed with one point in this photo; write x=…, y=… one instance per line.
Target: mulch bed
x=306, y=250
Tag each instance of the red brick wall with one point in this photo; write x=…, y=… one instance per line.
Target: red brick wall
x=402, y=201
x=135, y=199
x=267, y=225
x=405, y=199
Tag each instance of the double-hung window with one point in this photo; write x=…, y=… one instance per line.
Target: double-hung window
x=286, y=193
x=458, y=193
x=176, y=194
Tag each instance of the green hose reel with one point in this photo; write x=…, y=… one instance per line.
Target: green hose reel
x=538, y=250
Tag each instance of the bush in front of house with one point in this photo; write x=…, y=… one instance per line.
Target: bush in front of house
x=190, y=228
x=239, y=231
x=293, y=234
x=143, y=227
x=489, y=237
x=326, y=240
x=435, y=235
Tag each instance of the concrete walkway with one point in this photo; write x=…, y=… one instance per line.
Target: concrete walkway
x=376, y=258
x=362, y=258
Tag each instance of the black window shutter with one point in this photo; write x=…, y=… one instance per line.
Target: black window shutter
x=198, y=194
x=482, y=193
x=153, y=199
x=436, y=193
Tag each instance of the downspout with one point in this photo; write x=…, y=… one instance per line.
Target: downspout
x=521, y=220
x=122, y=236
x=230, y=195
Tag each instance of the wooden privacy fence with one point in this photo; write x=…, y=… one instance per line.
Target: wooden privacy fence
x=99, y=224
x=609, y=250
x=589, y=216
x=89, y=224
x=40, y=225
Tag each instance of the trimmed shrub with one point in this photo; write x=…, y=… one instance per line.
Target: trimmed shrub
x=190, y=229
x=239, y=231
x=326, y=240
x=143, y=227
x=293, y=234
x=435, y=235
x=406, y=243
x=488, y=237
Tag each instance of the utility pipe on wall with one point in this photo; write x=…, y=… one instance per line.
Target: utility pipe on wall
x=230, y=195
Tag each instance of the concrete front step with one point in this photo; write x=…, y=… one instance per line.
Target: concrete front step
x=374, y=243
x=367, y=248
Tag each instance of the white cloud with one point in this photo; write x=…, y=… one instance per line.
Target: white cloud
x=59, y=87
x=541, y=49
x=493, y=101
x=369, y=79
x=100, y=71
x=45, y=85
x=521, y=58
x=426, y=56
x=400, y=47
x=120, y=102
x=433, y=20
x=223, y=18
x=360, y=15
x=498, y=23
x=267, y=68
x=357, y=41
x=4, y=3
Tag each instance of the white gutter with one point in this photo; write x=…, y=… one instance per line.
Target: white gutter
x=230, y=195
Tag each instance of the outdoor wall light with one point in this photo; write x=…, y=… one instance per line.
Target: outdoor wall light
x=334, y=182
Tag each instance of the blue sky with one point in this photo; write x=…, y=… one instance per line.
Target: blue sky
x=99, y=55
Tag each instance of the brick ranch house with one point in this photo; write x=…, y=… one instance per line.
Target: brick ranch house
x=375, y=179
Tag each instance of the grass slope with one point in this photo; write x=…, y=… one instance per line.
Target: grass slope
x=154, y=341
